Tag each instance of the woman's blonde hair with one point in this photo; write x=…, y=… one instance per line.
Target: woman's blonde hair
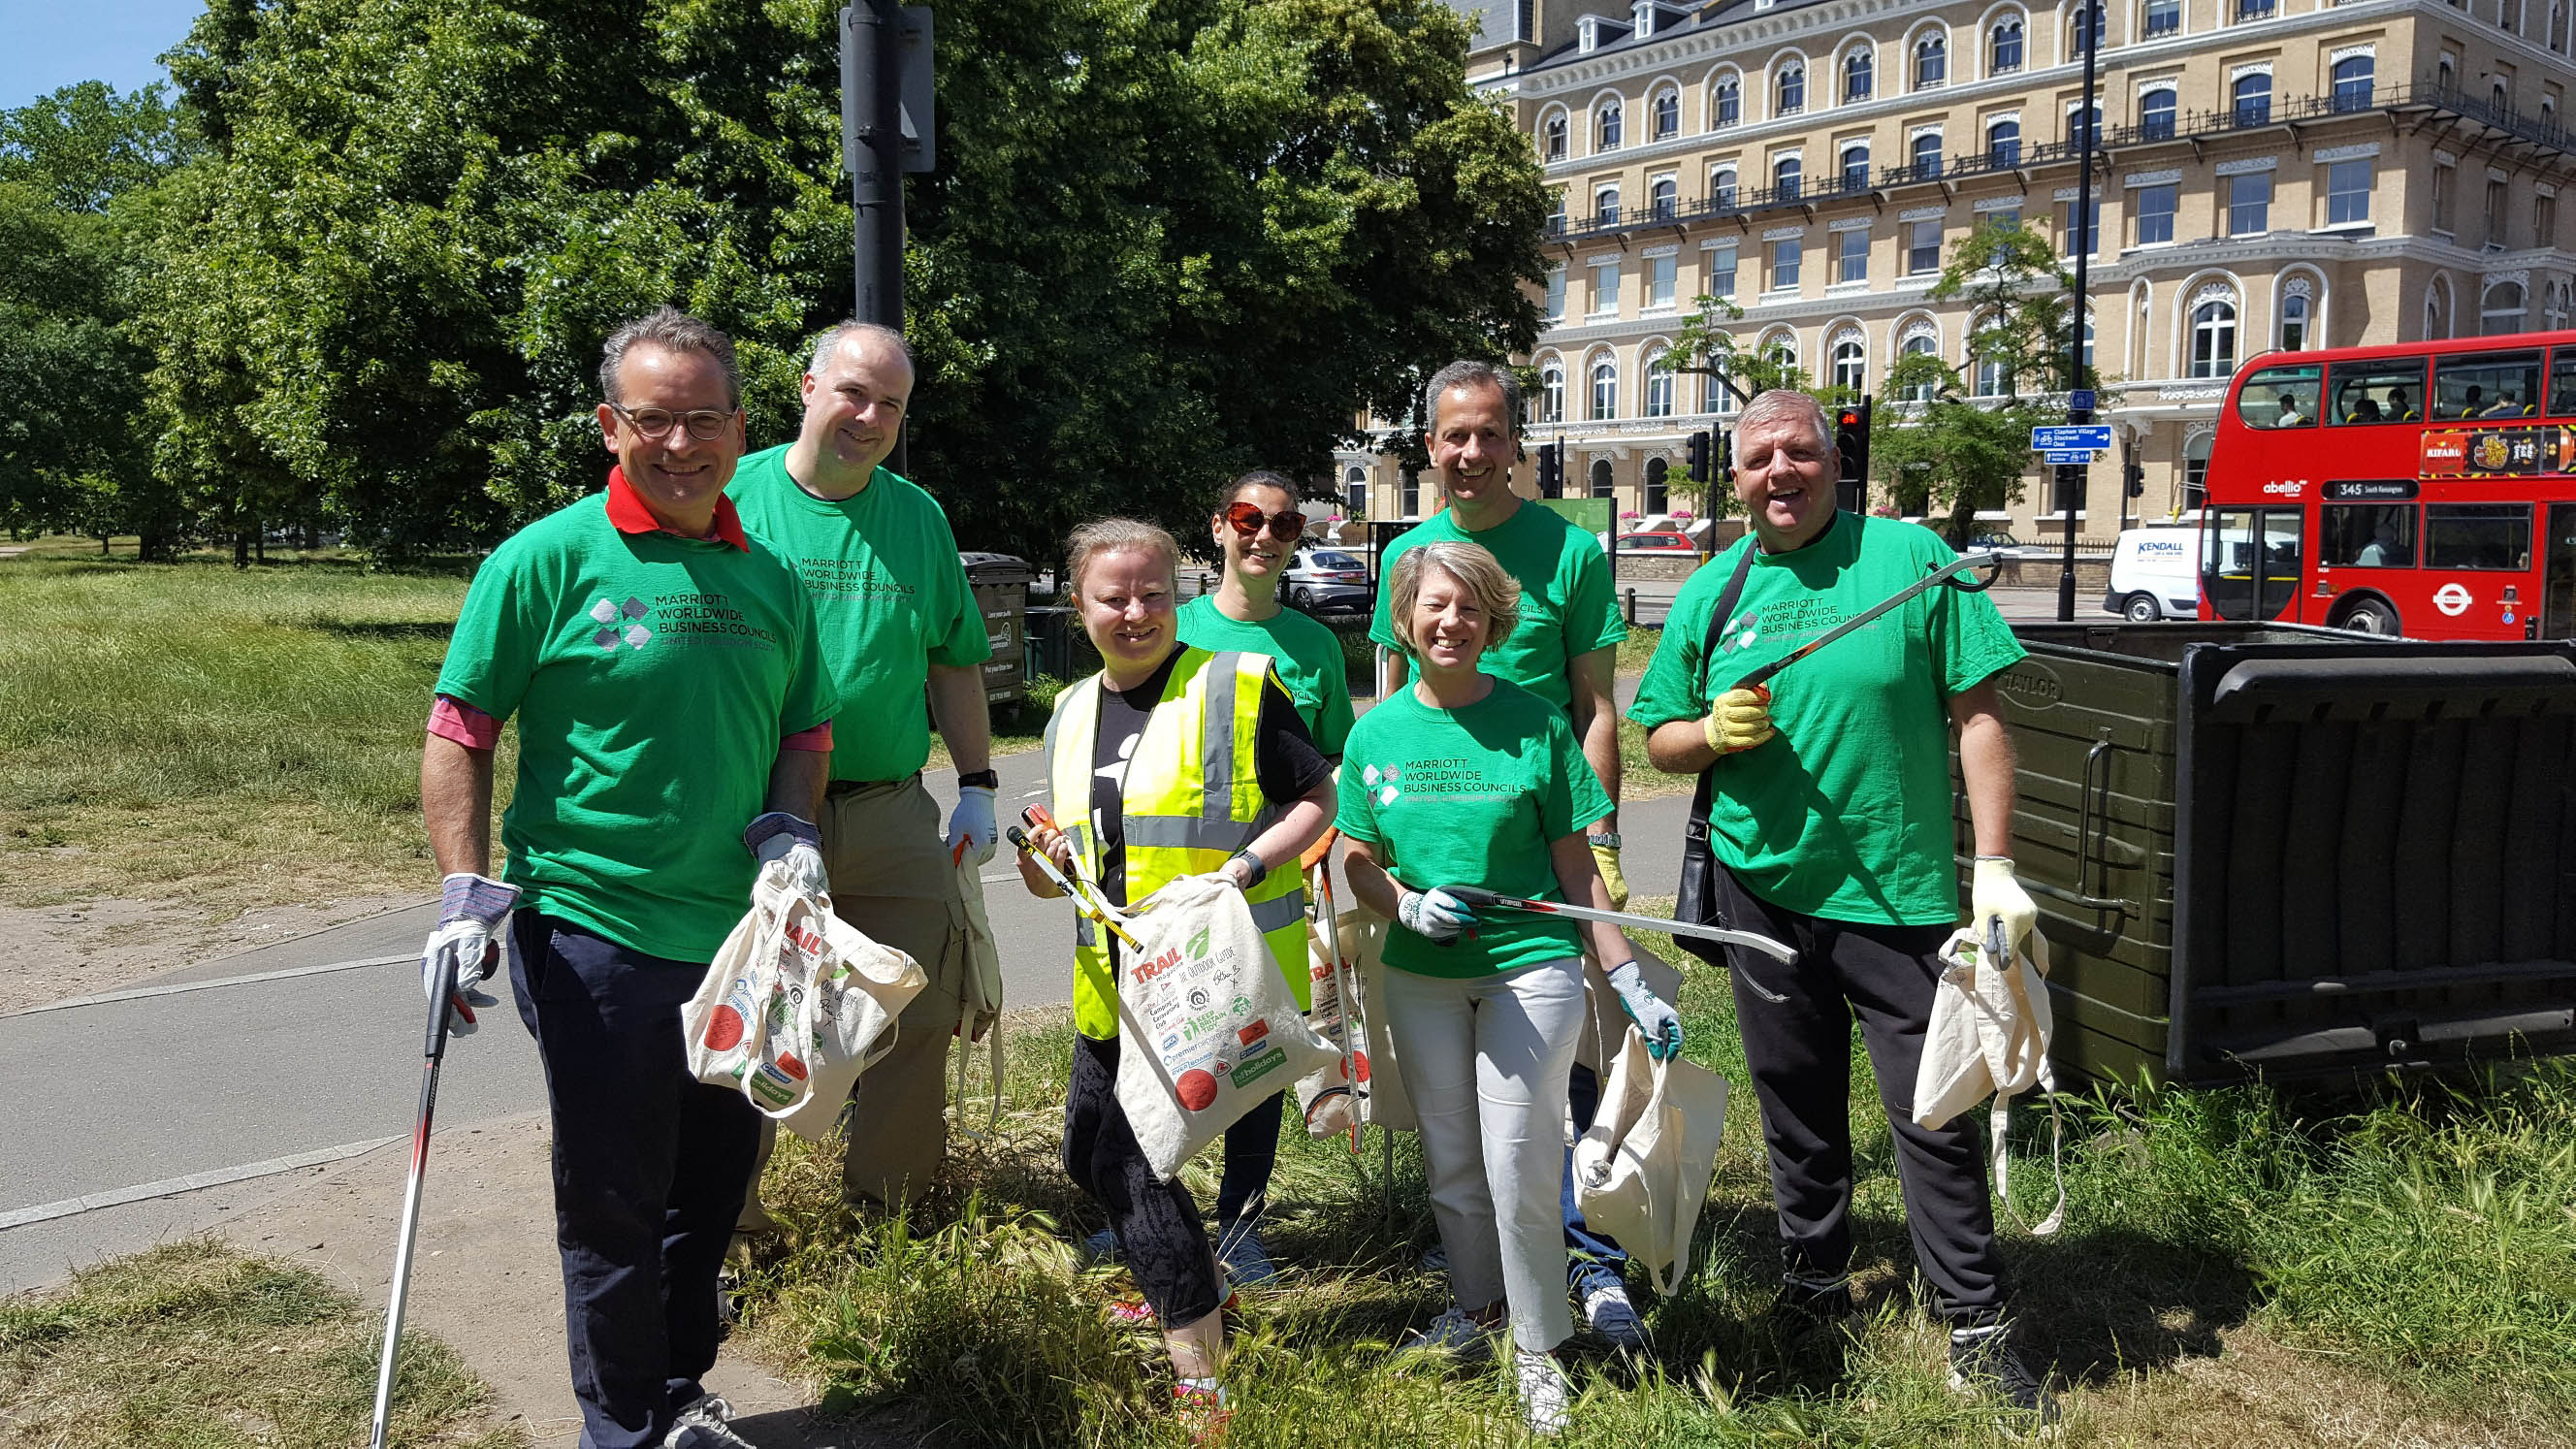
x=1117, y=535
x=1494, y=590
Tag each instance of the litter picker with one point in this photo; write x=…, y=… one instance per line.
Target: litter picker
x=433, y=1052
x=1479, y=896
x=1081, y=896
x=1946, y=574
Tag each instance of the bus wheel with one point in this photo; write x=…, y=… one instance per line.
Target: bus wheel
x=2371, y=616
x=2140, y=608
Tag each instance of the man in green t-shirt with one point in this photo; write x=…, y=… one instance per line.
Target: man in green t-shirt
x=1566, y=651
x=898, y=620
x=667, y=680
x=1829, y=827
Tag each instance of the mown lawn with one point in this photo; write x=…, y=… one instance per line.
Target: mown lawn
x=2240, y=1267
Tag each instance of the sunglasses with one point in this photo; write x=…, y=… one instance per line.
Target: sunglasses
x=1247, y=520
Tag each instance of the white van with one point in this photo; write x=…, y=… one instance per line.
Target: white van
x=2155, y=574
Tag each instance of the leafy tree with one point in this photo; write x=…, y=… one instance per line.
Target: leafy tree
x=1706, y=345
x=1167, y=241
x=1941, y=443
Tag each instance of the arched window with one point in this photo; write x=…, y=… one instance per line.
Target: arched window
x=2075, y=119
x=1551, y=393
x=2003, y=48
x=1658, y=485
x=2195, y=472
x=1355, y=492
x=1856, y=166
x=2353, y=78
x=2252, y=94
x=2442, y=75
x=1931, y=62
x=1660, y=388
x=1602, y=486
x=1985, y=361
x=1605, y=125
x=2156, y=113
x=1858, y=72
x=1916, y=345
x=2213, y=338
x=1668, y=114
x=2296, y=318
x=1726, y=103
x=1721, y=186
x=2003, y=141
x=2501, y=310
x=1785, y=174
x=1605, y=206
x=1555, y=133
x=1792, y=90
x=2163, y=17
x=1605, y=389
x=1848, y=372
x=1927, y=155
x=1663, y=198
x=2080, y=28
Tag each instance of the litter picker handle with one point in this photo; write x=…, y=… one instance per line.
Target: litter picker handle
x=1479, y=896
x=1950, y=574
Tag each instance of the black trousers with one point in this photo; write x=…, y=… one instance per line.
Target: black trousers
x=1799, y=1052
x=650, y=1166
x=1157, y=1222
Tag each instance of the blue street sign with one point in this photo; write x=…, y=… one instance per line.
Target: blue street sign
x=2080, y=400
x=2095, y=437
x=2061, y=457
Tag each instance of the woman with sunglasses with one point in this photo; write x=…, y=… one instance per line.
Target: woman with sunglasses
x=1257, y=526
x=1461, y=778
x=1138, y=803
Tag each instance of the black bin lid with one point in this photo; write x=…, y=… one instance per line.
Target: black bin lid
x=995, y=568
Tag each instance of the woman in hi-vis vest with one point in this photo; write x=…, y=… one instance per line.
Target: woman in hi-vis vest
x=1463, y=779
x=1141, y=800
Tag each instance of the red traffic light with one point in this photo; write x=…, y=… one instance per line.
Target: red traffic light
x=1851, y=418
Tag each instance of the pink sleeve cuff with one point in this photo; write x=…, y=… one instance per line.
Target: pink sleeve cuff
x=453, y=719
x=819, y=738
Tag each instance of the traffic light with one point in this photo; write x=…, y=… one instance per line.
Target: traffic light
x=1851, y=441
x=1551, y=470
x=1696, y=449
x=2135, y=475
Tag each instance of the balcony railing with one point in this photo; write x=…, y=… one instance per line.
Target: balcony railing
x=2181, y=125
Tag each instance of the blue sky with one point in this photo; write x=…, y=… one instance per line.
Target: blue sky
x=53, y=43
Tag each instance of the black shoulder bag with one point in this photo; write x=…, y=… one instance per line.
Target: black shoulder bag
x=1699, y=863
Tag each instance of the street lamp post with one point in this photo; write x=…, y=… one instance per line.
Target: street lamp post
x=2070, y=477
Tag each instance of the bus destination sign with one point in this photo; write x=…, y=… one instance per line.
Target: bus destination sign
x=2494, y=452
x=2369, y=490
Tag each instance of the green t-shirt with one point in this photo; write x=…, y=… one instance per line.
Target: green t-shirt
x=1471, y=797
x=1846, y=813
x=889, y=594
x=1567, y=607
x=1307, y=655
x=653, y=678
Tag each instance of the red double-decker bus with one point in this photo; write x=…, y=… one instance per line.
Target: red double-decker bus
x=2427, y=489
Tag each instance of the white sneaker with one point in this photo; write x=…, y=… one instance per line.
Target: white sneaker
x=705, y=1424
x=1545, y=1394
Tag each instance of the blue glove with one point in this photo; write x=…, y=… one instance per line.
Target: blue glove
x=781, y=836
x=471, y=910
x=1435, y=914
x=1654, y=1015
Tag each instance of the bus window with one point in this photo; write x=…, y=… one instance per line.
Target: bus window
x=2366, y=535
x=2280, y=562
x=2477, y=536
x=2487, y=385
x=2227, y=562
x=2382, y=390
x=2562, y=382
x=2280, y=397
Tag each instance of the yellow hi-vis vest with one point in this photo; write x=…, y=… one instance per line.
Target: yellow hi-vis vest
x=1192, y=798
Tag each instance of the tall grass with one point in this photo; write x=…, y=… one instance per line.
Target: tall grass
x=2414, y=1247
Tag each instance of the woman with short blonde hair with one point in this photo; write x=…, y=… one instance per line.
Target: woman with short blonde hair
x=1493, y=588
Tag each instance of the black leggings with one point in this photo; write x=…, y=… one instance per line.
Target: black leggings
x=1157, y=1222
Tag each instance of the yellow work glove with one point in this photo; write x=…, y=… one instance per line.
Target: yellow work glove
x=1606, y=858
x=1992, y=892
x=1738, y=720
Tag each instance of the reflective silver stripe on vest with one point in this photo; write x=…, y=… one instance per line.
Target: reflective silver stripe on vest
x=1216, y=741
x=1280, y=914
x=1084, y=933
x=1186, y=832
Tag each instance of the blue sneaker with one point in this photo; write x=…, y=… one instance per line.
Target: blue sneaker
x=1245, y=1257
x=1607, y=1309
x=1103, y=1246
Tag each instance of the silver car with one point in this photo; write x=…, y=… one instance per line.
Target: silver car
x=1325, y=580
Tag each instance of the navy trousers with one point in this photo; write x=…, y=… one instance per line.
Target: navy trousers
x=650, y=1167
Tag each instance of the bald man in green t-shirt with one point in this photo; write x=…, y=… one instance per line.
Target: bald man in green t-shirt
x=898, y=620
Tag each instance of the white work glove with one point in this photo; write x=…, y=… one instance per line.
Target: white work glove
x=1435, y=914
x=781, y=836
x=1654, y=1015
x=971, y=824
x=1992, y=892
x=471, y=911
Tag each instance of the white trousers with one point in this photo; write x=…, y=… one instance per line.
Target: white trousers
x=1485, y=1061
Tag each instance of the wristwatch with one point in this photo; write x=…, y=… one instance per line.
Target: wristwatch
x=989, y=779
x=1608, y=839
x=1248, y=858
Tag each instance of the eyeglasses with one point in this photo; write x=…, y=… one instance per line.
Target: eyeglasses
x=705, y=424
x=1247, y=520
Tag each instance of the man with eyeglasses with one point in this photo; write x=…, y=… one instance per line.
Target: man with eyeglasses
x=675, y=719
x=897, y=617
x=1565, y=650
